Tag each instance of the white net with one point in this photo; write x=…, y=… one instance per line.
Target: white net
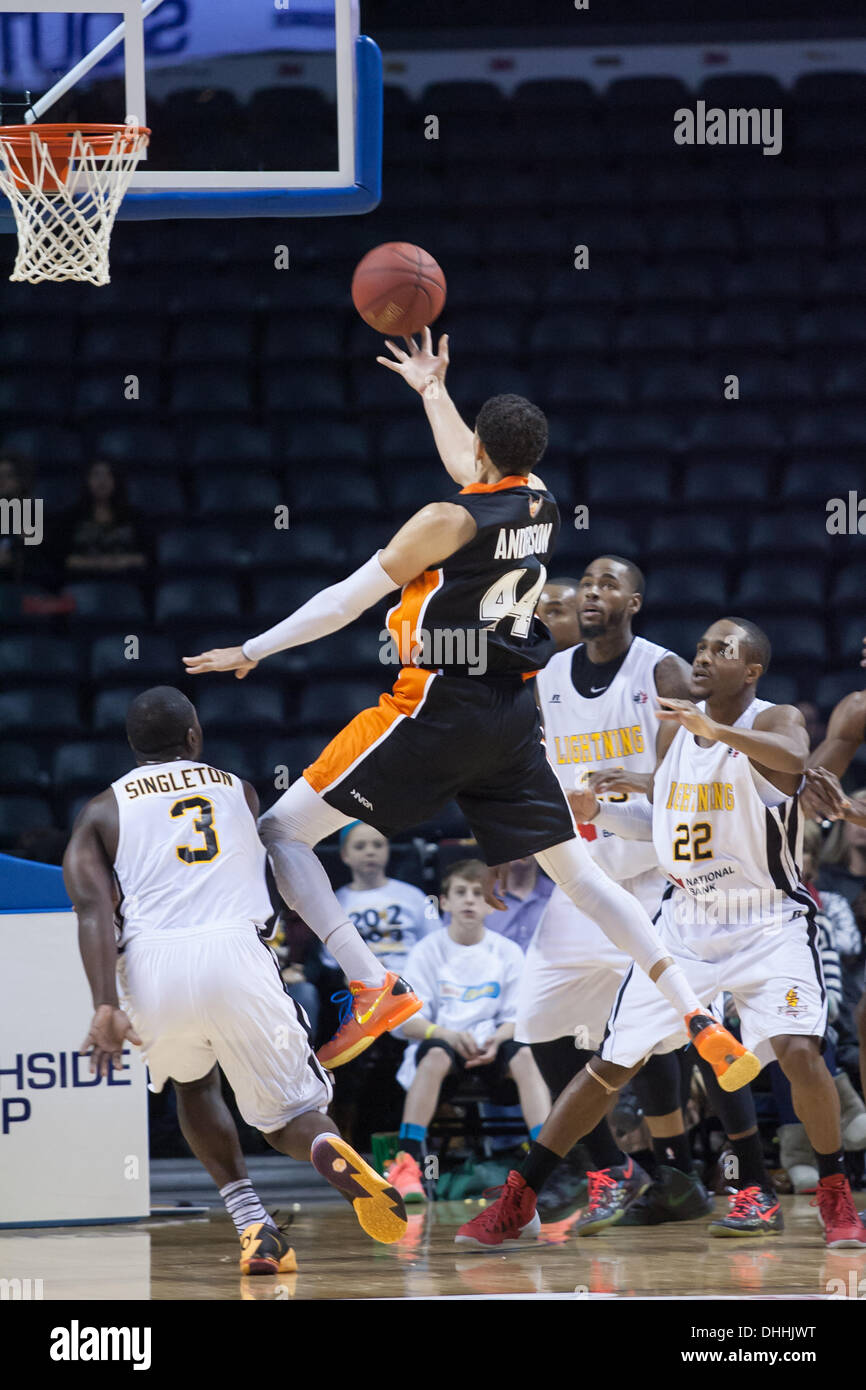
x=65, y=185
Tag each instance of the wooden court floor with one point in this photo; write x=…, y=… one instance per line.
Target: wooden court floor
x=196, y=1259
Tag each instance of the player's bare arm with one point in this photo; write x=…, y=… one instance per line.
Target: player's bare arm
x=845, y=733
x=424, y=370
x=673, y=676
x=777, y=744
x=823, y=795
x=425, y=540
x=88, y=879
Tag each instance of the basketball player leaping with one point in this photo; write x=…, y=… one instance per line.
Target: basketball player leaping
x=724, y=818
x=178, y=838
x=460, y=721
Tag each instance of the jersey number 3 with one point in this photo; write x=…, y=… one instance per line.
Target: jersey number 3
x=205, y=827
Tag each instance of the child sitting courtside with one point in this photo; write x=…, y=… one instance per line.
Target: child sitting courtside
x=467, y=977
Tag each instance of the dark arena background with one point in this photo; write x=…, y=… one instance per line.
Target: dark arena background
x=205, y=443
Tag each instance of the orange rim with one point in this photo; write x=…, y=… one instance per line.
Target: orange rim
x=61, y=134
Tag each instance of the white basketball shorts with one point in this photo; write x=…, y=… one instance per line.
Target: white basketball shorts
x=215, y=995
x=776, y=982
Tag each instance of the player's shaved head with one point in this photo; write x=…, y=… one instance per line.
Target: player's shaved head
x=633, y=574
x=757, y=643
x=159, y=720
x=513, y=432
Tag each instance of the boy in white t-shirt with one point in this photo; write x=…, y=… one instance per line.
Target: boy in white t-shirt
x=467, y=977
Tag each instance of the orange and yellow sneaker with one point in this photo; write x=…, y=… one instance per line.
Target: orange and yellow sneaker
x=377, y=1205
x=734, y=1065
x=367, y=1012
x=404, y=1173
x=265, y=1250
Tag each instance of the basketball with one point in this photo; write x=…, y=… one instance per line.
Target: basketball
x=398, y=288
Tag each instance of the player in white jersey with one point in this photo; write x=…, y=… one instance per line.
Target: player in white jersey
x=175, y=839
x=597, y=698
x=725, y=823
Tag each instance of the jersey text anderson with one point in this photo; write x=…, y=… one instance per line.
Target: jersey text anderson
x=513, y=542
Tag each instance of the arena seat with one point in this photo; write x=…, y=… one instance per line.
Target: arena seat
x=779, y=584
x=686, y=586
x=89, y=763
x=18, y=813
x=97, y=599
x=235, y=705
x=27, y=658
x=157, y=661
x=186, y=599
x=20, y=768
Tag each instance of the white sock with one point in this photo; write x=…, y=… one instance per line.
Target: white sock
x=319, y=1137
x=243, y=1205
x=354, y=955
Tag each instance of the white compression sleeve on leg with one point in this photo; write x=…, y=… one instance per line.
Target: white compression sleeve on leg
x=631, y=820
x=325, y=612
x=296, y=822
x=613, y=908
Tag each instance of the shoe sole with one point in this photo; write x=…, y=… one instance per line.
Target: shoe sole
x=383, y=1026
x=847, y=1243
x=728, y=1233
x=529, y=1232
x=287, y=1265
x=739, y=1072
x=377, y=1205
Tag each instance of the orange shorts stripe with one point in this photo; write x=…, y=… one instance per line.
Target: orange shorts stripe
x=359, y=735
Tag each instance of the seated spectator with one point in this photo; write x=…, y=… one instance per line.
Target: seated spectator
x=837, y=937
x=843, y=858
x=843, y=874
x=390, y=915
x=525, y=890
x=103, y=533
x=467, y=977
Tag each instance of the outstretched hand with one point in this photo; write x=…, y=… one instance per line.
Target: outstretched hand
x=423, y=369
x=220, y=659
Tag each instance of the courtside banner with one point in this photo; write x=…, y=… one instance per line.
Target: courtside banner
x=73, y=1146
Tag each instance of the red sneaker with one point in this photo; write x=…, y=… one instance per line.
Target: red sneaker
x=367, y=1012
x=404, y=1174
x=512, y=1218
x=838, y=1214
x=735, y=1066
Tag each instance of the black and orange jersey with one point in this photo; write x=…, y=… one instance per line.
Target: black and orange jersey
x=475, y=613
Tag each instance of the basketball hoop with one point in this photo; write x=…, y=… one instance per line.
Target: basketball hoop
x=65, y=184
